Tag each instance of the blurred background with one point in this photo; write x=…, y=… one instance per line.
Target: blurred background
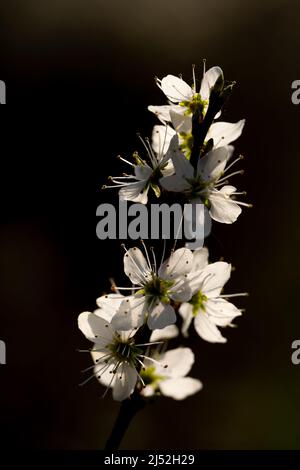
x=82, y=75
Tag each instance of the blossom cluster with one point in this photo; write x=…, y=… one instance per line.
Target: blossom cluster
x=191, y=155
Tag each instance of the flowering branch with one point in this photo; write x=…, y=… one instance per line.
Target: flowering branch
x=190, y=158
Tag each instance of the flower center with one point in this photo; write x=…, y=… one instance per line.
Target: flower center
x=150, y=377
x=196, y=103
x=198, y=302
x=157, y=289
x=125, y=351
x=198, y=188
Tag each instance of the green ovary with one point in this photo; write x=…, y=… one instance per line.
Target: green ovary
x=125, y=351
x=150, y=377
x=157, y=289
x=199, y=188
x=196, y=103
x=198, y=302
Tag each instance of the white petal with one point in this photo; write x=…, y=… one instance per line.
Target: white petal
x=161, y=316
x=186, y=312
x=227, y=190
x=125, y=382
x=175, y=89
x=136, y=266
x=95, y=329
x=207, y=330
x=181, y=122
x=179, y=264
x=166, y=333
x=162, y=112
x=136, y=192
x=181, y=291
x=182, y=166
x=161, y=138
x=209, y=80
x=148, y=391
x=180, y=388
x=221, y=312
x=131, y=314
x=179, y=362
x=212, y=165
x=174, y=183
x=200, y=259
x=108, y=305
x=223, y=209
x=167, y=169
x=104, y=374
x=215, y=276
x=143, y=172
x=223, y=133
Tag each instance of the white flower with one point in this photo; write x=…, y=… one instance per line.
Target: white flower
x=114, y=354
x=206, y=184
x=208, y=307
x=146, y=174
x=156, y=289
x=185, y=99
x=170, y=381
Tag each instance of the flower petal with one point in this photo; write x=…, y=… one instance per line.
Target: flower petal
x=180, y=388
x=221, y=312
x=209, y=80
x=169, y=332
x=215, y=276
x=136, y=266
x=143, y=172
x=181, y=122
x=207, y=330
x=176, y=89
x=212, y=165
x=182, y=166
x=200, y=259
x=104, y=373
x=136, y=192
x=161, y=316
x=131, y=314
x=174, y=183
x=95, y=329
x=179, y=264
x=125, y=382
x=108, y=305
x=223, y=133
x=181, y=291
x=162, y=112
x=186, y=312
x=223, y=209
x=179, y=362
x=161, y=138
x=148, y=391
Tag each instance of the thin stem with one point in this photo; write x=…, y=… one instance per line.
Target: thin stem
x=128, y=410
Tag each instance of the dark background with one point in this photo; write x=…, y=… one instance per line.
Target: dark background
x=81, y=74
